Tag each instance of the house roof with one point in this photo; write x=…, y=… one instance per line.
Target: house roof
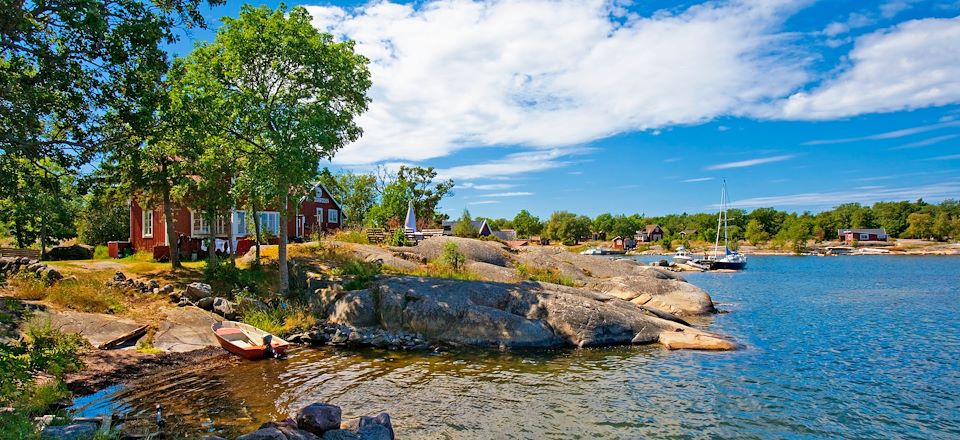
x=688, y=231
x=651, y=228
x=506, y=234
x=478, y=224
x=876, y=231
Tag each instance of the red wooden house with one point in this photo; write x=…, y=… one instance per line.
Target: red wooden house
x=318, y=213
x=850, y=235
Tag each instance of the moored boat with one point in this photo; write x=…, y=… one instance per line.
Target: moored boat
x=248, y=341
x=729, y=260
x=682, y=256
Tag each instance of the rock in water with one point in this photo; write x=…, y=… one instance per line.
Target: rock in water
x=75, y=431
x=529, y=314
x=341, y=434
x=197, y=291
x=664, y=292
x=318, y=418
x=378, y=427
x=264, y=434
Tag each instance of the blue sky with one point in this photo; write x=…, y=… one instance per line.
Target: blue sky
x=642, y=107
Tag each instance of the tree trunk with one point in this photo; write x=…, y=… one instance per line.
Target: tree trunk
x=172, y=240
x=256, y=231
x=212, y=228
x=43, y=237
x=282, y=248
x=232, y=252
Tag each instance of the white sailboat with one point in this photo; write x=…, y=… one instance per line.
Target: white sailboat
x=732, y=260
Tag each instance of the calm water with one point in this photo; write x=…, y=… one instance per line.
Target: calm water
x=854, y=347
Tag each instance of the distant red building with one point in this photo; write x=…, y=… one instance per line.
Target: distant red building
x=849, y=235
x=319, y=213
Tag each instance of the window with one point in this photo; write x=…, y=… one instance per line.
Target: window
x=147, y=223
x=319, y=215
x=239, y=223
x=333, y=216
x=864, y=237
x=270, y=222
x=221, y=229
x=199, y=225
x=320, y=198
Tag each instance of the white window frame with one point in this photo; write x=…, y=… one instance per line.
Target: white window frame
x=319, y=215
x=204, y=229
x=147, y=224
x=239, y=223
x=333, y=216
x=264, y=223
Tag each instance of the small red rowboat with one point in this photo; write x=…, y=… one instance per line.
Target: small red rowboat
x=247, y=341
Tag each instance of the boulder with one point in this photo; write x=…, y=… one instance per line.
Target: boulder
x=74, y=252
x=473, y=250
x=378, y=427
x=224, y=307
x=197, y=291
x=290, y=430
x=205, y=303
x=652, y=288
x=355, y=308
x=264, y=434
x=528, y=314
x=341, y=434
x=318, y=418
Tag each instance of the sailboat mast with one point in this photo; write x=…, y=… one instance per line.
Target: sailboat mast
x=716, y=244
x=726, y=242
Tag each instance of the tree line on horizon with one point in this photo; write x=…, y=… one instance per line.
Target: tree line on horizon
x=900, y=219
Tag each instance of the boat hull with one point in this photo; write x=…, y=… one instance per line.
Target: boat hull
x=228, y=333
x=726, y=265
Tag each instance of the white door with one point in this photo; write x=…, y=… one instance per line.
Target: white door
x=300, y=219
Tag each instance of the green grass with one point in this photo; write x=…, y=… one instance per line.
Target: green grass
x=281, y=321
x=351, y=236
x=543, y=275
x=361, y=273
x=101, y=253
x=84, y=294
x=435, y=271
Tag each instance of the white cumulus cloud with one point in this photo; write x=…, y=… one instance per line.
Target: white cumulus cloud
x=452, y=74
x=912, y=65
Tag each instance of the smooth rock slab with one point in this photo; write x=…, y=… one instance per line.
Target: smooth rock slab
x=185, y=329
x=97, y=328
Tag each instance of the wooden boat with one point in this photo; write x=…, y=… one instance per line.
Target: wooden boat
x=246, y=340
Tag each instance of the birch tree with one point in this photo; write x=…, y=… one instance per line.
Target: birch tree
x=283, y=91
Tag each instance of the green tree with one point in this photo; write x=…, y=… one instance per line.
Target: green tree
x=942, y=227
x=284, y=91
x=604, y=223
x=919, y=225
x=796, y=231
x=770, y=219
x=73, y=70
x=426, y=193
x=526, y=224
x=567, y=226
x=392, y=207
x=37, y=201
x=357, y=193
x=892, y=216
x=464, y=226
x=103, y=216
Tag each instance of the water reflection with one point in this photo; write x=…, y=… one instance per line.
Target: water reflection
x=825, y=355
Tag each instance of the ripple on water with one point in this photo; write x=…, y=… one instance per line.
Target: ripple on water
x=842, y=347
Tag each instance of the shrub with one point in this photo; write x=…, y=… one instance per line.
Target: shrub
x=543, y=275
x=352, y=236
x=281, y=320
x=51, y=350
x=361, y=272
x=451, y=257
x=101, y=253
x=399, y=238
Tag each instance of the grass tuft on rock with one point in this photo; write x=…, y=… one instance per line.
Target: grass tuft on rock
x=84, y=294
x=543, y=275
x=281, y=320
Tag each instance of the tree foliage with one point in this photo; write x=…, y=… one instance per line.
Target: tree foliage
x=567, y=226
x=464, y=227
x=526, y=224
